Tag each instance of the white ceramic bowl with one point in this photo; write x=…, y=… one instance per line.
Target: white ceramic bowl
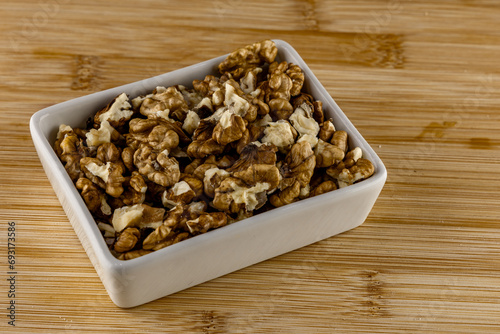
x=218, y=252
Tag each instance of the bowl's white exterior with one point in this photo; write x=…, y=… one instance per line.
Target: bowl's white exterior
x=196, y=260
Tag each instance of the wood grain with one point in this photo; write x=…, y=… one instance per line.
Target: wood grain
x=419, y=79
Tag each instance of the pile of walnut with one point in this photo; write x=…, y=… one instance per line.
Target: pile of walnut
x=164, y=167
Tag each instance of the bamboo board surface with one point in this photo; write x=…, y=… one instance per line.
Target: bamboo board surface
x=419, y=79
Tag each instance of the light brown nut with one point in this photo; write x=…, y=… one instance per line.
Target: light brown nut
x=176, y=219
x=94, y=197
x=108, y=152
x=201, y=149
x=138, y=215
x=257, y=166
x=245, y=59
x=117, y=112
x=104, y=134
x=327, y=154
x=133, y=254
x=297, y=76
x=223, y=162
x=127, y=240
x=255, y=153
x=280, y=109
x=318, y=114
x=363, y=169
x=326, y=131
x=286, y=196
x=190, y=168
x=173, y=239
x=339, y=139
x=280, y=134
x=191, y=96
x=298, y=166
x=162, y=138
x=230, y=128
x=158, y=236
x=303, y=122
x=157, y=167
x=260, y=173
x=237, y=102
x=248, y=82
x=234, y=195
x=200, y=171
x=302, y=98
x=178, y=216
x=350, y=159
x=212, y=180
x=127, y=156
x=203, y=145
x=206, y=222
x=108, y=176
x=157, y=134
x=279, y=84
x=71, y=150
x=323, y=188
x=135, y=189
x=253, y=133
x=191, y=122
x=207, y=86
x=180, y=192
x=195, y=184
x=164, y=99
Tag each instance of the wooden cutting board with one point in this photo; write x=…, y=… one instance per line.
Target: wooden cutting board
x=419, y=79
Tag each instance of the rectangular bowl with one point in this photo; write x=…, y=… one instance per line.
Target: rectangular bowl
x=221, y=251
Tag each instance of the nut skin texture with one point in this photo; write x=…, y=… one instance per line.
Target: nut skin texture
x=257, y=164
x=223, y=199
x=297, y=76
x=133, y=254
x=323, y=188
x=195, y=184
x=212, y=182
x=114, y=123
x=158, y=168
x=245, y=59
x=360, y=171
x=350, y=160
x=327, y=154
x=171, y=198
x=296, y=173
x=339, y=139
x=127, y=156
x=173, y=228
x=326, y=131
x=93, y=196
x=224, y=162
x=299, y=163
x=135, y=189
x=233, y=132
x=71, y=150
x=170, y=99
x=206, y=222
x=286, y=196
x=113, y=185
x=159, y=135
x=203, y=145
x=127, y=240
x=280, y=109
x=108, y=152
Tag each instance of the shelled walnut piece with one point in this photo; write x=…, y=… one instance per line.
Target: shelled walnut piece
x=178, y=162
